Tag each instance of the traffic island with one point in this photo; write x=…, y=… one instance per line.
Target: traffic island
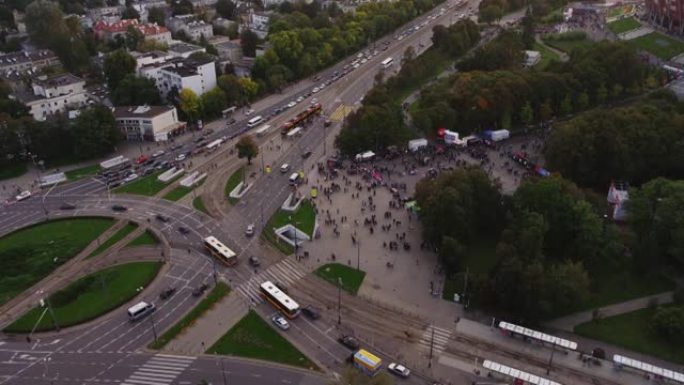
x=239, y=191
x=235, y=178
x=283, y=225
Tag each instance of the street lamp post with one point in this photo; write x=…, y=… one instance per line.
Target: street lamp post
x=553, y=350
x=339, y=300
x=154, y=329
x=358, y=255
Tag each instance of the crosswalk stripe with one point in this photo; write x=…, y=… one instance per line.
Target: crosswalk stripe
x=147, y=382
x=150, y=377
x=169, y=363
x=282, y=276
x=174, y=360
x=156, y=371
x=165, y=367
x=173, y=356
x=287, y=272
x=292, y=266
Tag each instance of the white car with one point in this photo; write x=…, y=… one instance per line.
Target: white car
x=364, y=60
x=315, y=89
x=280, y=322
x=291, y=104
x=158, y=154
x=399, y=370
x=131, y=178
x=299, y=99
x=314, y=100
x=250, y=230
x=322, y=86
x=23, y=195
x=249, y=112
x=180, y=157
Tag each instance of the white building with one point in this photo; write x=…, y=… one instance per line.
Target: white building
x=229, y=50
x=153, y=123
x=532, y=58
x=196, y=29
x=198, y=76
x=53, y=95
x=184, y=50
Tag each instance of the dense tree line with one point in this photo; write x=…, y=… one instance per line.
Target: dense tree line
x=379, y=122
x=478, y=100
x=310, y=38
x=553, y=242
x=503, y=52
x=635, y=143
x=492, y=10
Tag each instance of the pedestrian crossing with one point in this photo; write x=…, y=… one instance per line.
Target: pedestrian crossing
x=285, y=272
x=161, y=369
x=441, y=339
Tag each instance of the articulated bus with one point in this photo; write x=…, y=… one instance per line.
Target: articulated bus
x=300, y=118
x=220, y=251
x=280, y=300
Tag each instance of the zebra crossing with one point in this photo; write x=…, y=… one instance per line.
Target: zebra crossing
x=161, y=369
x=285, y=272
x=441, y=339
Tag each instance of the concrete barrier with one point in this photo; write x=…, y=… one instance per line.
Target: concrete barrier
x=170, y=174
x=193, y=179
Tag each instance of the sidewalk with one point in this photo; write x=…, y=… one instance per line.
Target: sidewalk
x=569, y=322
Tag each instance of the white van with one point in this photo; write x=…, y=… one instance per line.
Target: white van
x=140, y=311
x=285, y=168
x=263, y=130
x=254, y=121
x=294, y=179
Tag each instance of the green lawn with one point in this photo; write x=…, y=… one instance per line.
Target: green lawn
x=82, y=172
x=90, y=296
x=119, y=235
x=547, y=56
x=305, y=217
x=12, y=170
x=232, y=182
x=663, y=46
x=32, y=253
x=624, y=25
x=568, y=41
x=351, y=278
x=147, y=185
x=252, y=337
x=146, y=238
x=623, y=286
x=217, y=293
x=177, y=193
x=633, y=331
x=198, y=204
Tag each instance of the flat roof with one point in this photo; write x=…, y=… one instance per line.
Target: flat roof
x=140, y=111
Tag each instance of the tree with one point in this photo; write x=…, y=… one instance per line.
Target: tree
x=136, y=91
x=490, y=14
x=95, y=133
x=247, y=148
x=566, y=106
x=130, y=13
x=249, y=88
x=545, y=111
x=249, y=41
x=526, y=113
x=157, y=15
x=181, y=7
x=189, y=104
x=117, y=65
x=528, y=29
x=213, y=102
x=44, y=21
x=133, y=37
x=669, y=323
x=226, y=8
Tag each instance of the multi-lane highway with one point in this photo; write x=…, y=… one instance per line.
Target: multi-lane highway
x=107, y=350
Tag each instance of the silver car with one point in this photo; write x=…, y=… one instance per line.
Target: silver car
x=280, y=322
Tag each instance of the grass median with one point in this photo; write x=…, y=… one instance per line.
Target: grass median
x=145, y=239
x=147, y=185
x=235, y=179
x=198, y=204
x=333, y=272
x=89, y=297
x=217, y=293
x=119, y=235
x=252, y=337
x=32, y=253
x=82, y=172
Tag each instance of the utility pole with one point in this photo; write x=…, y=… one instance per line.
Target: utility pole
x=339, y=300
x=553, y=350
x=465, y=287
x=358, y=255
x=52, y=312
x=154, y=329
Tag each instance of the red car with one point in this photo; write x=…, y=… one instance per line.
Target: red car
x=142, y=159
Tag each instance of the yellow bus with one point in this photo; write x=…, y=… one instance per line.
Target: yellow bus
x=280, y=300
x=220, y=251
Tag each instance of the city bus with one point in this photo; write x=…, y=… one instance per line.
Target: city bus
x=387, y=62
x=220, y=251
x=254, y=121
x=214, y=145
x=280, y=300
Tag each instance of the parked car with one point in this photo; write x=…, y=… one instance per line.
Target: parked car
x=200, y=290
x=311, y=312
x=167, y=293
x=183, y=230
x=280, y=322
x=67, y=206
x=254, y=261
x=180, y=158
x=291, y=104
x=399, y=370
x=119, y=208
x=349, y=341
x=250, y=230
x=299, y=99
x=159, y=153
x=306, y=154
x=23, y=196
x=131, y=177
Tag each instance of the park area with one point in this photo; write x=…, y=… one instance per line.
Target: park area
x=336, y=272
x=633, y=331
x=32, y=253
x=252, y=337
x=662, y=46
x=89, y=297
x=624, y=25
x=568, y=41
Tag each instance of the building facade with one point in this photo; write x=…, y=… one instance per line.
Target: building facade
x=174, y=74
x=667, y=13
x=152, y=123
x=54, y=94
x=109, y=31
x=24, y=60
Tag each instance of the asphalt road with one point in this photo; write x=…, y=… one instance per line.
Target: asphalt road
x=106, y=349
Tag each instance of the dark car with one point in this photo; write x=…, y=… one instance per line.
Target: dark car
x=350, y=342
x=183, y=230
x=306, y=154
x=200, y=290
x=67, y=206
x=119, y=208
x=311, y=312
x=254, y=261
x=162, y=218
x=231, y=121
x=166, y=294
